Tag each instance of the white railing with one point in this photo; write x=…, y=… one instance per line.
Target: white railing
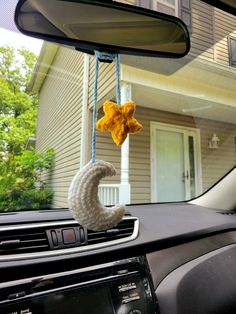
x=112, y=194
x=109, y=194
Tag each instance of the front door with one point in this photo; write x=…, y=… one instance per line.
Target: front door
x=175, y=159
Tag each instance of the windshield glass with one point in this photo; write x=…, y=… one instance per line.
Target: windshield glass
x=187, y=108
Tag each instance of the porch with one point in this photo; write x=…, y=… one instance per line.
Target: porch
x=182, y=103
x=112, y=194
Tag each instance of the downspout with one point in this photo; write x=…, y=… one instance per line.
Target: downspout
x=85, y=115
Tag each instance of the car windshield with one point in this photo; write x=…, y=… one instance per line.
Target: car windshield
x=186, y=106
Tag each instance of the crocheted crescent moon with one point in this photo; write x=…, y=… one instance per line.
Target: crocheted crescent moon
x=83, y=198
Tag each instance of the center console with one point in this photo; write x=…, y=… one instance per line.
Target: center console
x=122, y=287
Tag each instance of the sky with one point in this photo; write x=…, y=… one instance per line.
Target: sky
x=18, y=40
x=9, y=35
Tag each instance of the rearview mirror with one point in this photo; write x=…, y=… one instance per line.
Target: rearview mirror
x=103, y=25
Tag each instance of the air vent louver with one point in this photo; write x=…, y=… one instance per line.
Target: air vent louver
x=23, y=241
x=54, y=238
x=124, y=229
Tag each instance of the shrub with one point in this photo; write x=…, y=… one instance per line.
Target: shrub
x=29, y=199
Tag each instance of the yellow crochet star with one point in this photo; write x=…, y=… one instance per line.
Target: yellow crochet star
x=119, y=121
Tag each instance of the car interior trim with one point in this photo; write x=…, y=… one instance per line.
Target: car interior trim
x=26, y=256
x=58, y=274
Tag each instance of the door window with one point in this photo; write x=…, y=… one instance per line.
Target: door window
x=192, y=166
x=232, y=51
x=175, y=163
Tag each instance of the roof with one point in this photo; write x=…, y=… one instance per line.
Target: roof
x=45, y=59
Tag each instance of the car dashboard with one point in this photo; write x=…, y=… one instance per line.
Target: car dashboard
x=161, y=258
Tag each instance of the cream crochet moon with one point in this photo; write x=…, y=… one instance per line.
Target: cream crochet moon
x=83, y=198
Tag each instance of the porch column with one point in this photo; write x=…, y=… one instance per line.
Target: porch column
x=125, y=190
x=85, y=115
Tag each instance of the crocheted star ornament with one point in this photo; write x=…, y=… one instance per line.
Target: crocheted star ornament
x=119, y=120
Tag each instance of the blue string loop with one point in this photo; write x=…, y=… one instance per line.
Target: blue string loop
x=103, y=56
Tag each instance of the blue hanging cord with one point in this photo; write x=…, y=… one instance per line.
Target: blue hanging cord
x=95, y=110
x=118, y=92
x=103, y=56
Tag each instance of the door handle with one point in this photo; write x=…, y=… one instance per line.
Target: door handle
x=185, y=176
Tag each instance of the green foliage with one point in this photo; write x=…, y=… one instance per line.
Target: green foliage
x=18, y=107
x=21, y=180
x=22, y=173
x=31, y=165
x=29, y=199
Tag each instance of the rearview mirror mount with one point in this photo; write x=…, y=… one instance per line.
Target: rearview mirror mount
x=105, y=26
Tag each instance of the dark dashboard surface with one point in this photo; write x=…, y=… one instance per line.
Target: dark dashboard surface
x=189, y=243
x=161, y=226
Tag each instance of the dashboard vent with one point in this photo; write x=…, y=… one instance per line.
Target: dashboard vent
x=44, y=239
x=23, y=241
x=124, y=229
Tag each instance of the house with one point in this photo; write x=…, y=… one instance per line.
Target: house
x=184, y=147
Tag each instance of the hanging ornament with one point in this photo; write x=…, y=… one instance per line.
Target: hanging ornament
x=83, y=197
x=119, y=120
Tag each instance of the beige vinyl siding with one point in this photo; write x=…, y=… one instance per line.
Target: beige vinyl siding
x=202, y=30
x=210, y=30
x=107, y=150
x=59, y=119
x=215, y=163
x=222, y=31
x=209, y=26
x=106, y=80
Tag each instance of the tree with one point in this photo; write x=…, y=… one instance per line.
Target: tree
x=21, y=183
x=18, y=107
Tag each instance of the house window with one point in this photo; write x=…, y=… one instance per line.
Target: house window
x=166, y=6
x=180, y=8
x=232, y=51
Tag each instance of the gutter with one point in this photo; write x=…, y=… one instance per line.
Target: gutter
x=45, y=59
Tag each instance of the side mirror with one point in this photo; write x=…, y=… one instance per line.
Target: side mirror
x=103, y=25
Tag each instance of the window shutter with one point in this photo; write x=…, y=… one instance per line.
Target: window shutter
x=145, y=4
x=185, y=14
x=232, y=51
